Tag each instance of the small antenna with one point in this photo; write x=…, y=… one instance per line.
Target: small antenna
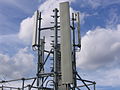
x=35, y=30
x=78, y=28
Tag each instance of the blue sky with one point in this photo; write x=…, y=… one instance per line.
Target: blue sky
x=99, y=59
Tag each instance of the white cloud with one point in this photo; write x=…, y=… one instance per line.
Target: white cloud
x=26, y=29
x=103, y=76
x=10, y=44
x=100, y=56
x=18, y=65
x=97, y=48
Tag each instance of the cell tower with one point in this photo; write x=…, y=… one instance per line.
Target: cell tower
x=63, y=74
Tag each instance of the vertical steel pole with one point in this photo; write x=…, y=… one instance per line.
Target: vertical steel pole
x=42, y=60
x=55, y=50
x=78, y=29
x=23, y=81
x=74, y=54
x=39, y=52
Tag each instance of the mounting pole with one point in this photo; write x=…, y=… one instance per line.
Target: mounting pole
x=42, y=59
x=55, y=49
x=74, y=54
x=39, y=51
x=23, y=81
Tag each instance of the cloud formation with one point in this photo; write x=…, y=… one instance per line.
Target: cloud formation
x=26, y=29
x=99, y=46
x=100, y=56
x=18, y=65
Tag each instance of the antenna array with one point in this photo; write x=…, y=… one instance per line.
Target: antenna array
x=63, y=74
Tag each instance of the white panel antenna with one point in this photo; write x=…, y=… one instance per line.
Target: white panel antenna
x=78, y=27
x=66, y=46
x=35, y=30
